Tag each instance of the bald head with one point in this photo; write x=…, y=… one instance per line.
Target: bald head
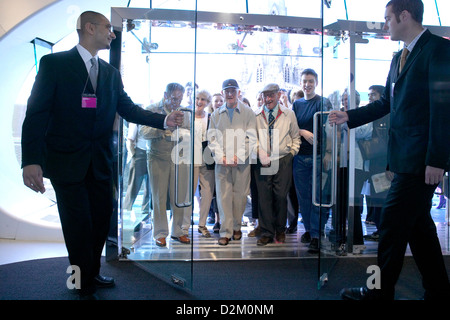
x=88, y=17
x=94, y=31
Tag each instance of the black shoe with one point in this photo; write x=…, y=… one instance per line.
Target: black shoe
x=305, y=238
x=360, y=293
x=104, y=282
x=264, y=240
x=290, y=230
x=313, y=246
x=372, y=237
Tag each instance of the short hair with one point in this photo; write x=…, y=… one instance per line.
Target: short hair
x=310, y=72
x=87, y=17
x=414, y=7
x=247, y=102
x=204, y=93
x=377, y=88
x=357, y=96
x=171, y=87
x=297, y=94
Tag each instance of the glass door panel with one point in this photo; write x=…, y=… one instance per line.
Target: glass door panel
x=158, y=162
x=356, y=56
x=328, y=170
x=162, y=46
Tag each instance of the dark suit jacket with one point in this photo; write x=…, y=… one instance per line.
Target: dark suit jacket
x=60, y=135
x=418, y=100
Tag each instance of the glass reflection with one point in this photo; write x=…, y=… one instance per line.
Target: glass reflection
x=157, y=51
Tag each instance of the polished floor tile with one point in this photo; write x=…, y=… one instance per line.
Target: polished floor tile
x=142, y=245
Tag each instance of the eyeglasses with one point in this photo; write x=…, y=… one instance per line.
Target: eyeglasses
x=107, y=26
x=232, y=92
x=269, y=94
x=175, y=100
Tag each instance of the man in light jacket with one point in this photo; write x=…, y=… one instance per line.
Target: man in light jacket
x=278, y=142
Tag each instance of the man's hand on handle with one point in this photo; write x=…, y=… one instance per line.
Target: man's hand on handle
x=337, y=117
x=175, y=119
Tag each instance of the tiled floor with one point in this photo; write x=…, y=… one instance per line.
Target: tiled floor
x=142, y=246
x=207, y=248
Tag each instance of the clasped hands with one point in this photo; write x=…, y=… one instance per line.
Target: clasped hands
x=227, y=163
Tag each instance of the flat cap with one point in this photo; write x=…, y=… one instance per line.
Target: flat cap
x=271, y=87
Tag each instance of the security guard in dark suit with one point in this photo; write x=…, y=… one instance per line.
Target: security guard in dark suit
x=67, y=137
x=418, y=100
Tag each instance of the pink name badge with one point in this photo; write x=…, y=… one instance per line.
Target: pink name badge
x=89, y=101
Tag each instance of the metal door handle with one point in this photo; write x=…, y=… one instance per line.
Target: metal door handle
x=188, y=203
x=333, y=162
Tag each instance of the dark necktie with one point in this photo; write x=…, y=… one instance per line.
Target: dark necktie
x=403, y=58
x=93, y=73
x=271, y=122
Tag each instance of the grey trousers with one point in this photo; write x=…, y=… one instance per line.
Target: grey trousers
x=162, y=181
x=206, y=181
x=232, y=188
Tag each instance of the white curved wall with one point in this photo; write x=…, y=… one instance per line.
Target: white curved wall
x=25, y=215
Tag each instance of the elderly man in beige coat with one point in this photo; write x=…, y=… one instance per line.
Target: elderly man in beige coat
x=278, y=143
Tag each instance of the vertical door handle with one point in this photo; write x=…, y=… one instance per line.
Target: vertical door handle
x=333, y=140
x=183, y=204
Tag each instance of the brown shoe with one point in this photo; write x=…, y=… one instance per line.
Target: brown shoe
x=255, y=232
x=237, y=235
x=160, y=242
x=280, y=237
x=264, y=241
x=183, y=239
x=223, y=241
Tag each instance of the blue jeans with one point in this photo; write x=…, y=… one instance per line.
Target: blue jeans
x=303, y=171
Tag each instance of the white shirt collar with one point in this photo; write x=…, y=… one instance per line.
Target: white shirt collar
x=86, y=56
x=410, y=47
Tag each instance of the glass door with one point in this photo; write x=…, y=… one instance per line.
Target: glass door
x=157, y=62
x=327, y=172
x=356, y=59
x=162, y=46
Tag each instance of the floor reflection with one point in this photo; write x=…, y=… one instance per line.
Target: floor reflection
x=138, y=238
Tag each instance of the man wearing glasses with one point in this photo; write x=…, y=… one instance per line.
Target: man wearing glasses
x=232, y=136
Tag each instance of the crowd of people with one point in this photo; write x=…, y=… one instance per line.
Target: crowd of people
x=262, y=154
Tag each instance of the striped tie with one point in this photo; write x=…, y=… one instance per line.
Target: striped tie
x=271, y=122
